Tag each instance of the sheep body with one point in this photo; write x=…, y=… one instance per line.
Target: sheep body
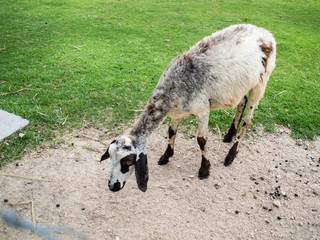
x=216, y=73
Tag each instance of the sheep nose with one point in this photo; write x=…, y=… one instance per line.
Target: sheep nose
x=116, y=186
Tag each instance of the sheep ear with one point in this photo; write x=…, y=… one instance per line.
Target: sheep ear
x=141, y=172
x=105, y=155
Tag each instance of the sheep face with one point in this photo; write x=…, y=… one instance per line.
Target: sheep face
x=125, y=158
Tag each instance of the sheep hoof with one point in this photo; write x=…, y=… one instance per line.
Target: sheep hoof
x=227, y=138
x=231, y=155
x=229, y=160
x=202, y=177
x=203, y=174
x=163, y=160
x=165, y=157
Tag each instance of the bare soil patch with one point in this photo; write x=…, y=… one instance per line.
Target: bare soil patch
x=271, y=191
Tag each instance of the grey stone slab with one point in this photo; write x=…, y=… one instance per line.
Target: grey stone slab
x=10, y=123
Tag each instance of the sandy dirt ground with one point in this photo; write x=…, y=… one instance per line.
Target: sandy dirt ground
x=271, y=191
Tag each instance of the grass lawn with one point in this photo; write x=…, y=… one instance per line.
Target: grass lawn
x=67, y=64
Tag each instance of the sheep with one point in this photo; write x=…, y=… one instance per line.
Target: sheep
x=216, y=73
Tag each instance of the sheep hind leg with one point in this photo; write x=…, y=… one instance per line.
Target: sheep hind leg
x=255, y=95
x=172, y=135
x=236, y=120
x=203, y=121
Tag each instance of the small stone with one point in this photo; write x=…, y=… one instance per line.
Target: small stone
x=252, y=178
x=236, y=212
x=191, y=176
x=296, y=195
x=30, y=182
x=248, y=212
x=217, y=186
x=276, y=203
x=267, y=221
x=5, y=200
x=279, y=217
x=57, y=205
x=83, y=208
x=314, y=170
x=265, y=208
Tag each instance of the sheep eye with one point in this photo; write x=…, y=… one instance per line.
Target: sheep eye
x=127, y=148
x=127, y=162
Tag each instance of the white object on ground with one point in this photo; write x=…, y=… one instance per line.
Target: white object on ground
x=10, y=123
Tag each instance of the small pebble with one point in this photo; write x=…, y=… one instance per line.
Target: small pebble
x=83, y=208
x=276, y=203
x=57, y=205
x=314, y=170
x=296, y=195
x=279, y=218
x=236, y=212
x=265, y=208
x=5, y=200
x=252, y=178
x=248, y=212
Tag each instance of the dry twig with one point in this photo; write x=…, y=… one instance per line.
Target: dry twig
x=137, y=110
x=65, y=120
x=42, y=114
x=32, y=210
x=279, y=93
x=95, y=149
x=34, y=97
x=22, y=89
x=29, y=178
x=220, y=138
x=78, y=48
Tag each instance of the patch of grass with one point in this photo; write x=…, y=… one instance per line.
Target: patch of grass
x=92, y=62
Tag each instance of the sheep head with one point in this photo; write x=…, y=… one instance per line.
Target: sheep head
x=126, y=157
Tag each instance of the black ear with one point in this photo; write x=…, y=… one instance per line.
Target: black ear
x=105, y=156
x=142, y=175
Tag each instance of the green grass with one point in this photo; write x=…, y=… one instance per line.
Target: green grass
x=92, y=62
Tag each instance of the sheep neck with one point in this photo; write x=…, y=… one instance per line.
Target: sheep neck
x=154, y=113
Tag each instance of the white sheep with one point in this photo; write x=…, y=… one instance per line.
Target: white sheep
x=216, y=73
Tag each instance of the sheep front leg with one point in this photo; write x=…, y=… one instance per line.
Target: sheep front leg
x=172, y=135
x=236, y=120
x=255, y=95
x=203, y=121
